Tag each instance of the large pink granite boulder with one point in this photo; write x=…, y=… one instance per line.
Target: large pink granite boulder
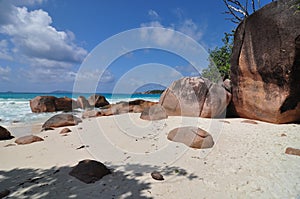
x=265, y=65
x=196, y=97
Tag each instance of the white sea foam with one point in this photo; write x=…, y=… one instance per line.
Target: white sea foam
x=18, y=111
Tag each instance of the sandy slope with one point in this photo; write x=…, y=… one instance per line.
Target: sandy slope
x=247, y=161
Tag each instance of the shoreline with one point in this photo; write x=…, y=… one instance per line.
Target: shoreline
x=16, y=107
x=246, y=159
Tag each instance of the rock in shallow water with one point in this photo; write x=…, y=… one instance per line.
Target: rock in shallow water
x=89, y=171
x=97, y=101
x=83, y=103
x=42, y=104
x=65, y=104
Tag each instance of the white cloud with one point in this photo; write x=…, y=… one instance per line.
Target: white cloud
x=153, y=14
x=191, y=29
x=160, y=36
x=47, y=75
x=187, y=70
x=179, y=13
x=107, y=77
x=27, y=2
x=60, y=74
x=33, y=41
x=4, y=51
x=181, y=38
x=185, y=26
x=135, y=78
x=93, y=76
x=4, y=73
x=34, y=37
x=46, y=63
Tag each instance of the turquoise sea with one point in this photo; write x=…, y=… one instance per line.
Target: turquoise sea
x=15, y=108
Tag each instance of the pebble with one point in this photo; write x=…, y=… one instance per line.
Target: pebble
x=157, y=176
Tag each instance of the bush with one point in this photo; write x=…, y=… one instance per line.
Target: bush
x=219, y=61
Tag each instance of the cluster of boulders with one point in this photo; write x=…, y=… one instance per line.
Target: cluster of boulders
x=265, y=85
x=41, y=104
x=265, y=67
x=135, y=106
x=53, y=104
x=264, y=78
x=59, y=120
x=6, y=135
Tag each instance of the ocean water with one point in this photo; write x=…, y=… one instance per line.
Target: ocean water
x=15, y=108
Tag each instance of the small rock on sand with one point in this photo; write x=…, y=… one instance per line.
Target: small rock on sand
x=157, y=176
x=193, y=137
x=8, y=145
x=28, y=139
x=48, y=129
x=65, y=131
x=89, y=171
x=61, y=120
x=249, y=122
x=5, y=134
x=292, y=151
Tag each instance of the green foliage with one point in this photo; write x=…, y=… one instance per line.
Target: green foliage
x=219, y=61
x=154, y=92
x=297, y=5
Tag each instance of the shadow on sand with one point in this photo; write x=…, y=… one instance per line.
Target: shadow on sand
x=124, y=182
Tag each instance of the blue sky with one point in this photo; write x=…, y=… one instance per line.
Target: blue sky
x=43, y=43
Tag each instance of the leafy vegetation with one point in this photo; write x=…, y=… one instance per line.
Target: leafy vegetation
x=154, y=92
x=219, y=58
x=297, y=5
x=219, y=61
x=157, y=91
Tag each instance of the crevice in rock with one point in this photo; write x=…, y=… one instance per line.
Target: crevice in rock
x=293, y=99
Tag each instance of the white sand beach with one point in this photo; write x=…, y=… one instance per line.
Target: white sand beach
x=247, y=160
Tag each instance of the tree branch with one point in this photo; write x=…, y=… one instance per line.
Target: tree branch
x=253, y=5
x=238, y=10
x=230, y=11
x=239, y=6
